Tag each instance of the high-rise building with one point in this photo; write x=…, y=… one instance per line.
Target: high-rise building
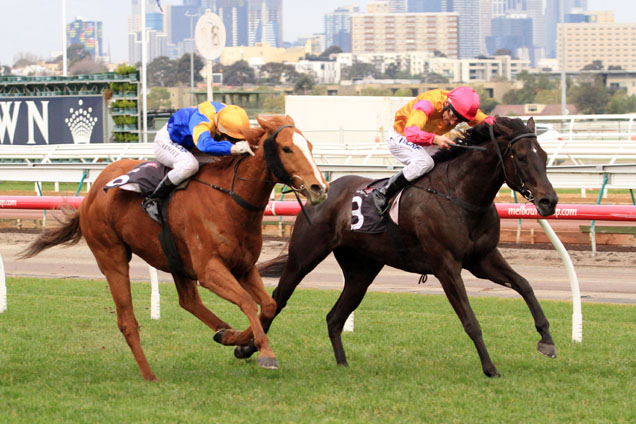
x=397, y=6
x=514, y=33
x=469, y=29
x=86, y=33
x=338, y=27
x=553, y=17
x=265, y=22
x=424, y=6
x=404, y=32
x=234, y=16
x=611, y=43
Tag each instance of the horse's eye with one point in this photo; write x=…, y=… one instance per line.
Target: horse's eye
x=522, y=158
x=287, y=149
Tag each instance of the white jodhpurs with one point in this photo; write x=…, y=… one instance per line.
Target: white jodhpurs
x=177, y=157
x=418, y=159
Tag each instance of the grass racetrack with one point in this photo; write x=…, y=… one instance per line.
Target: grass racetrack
x=62, y=359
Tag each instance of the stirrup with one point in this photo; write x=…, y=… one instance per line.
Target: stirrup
x=152, y=208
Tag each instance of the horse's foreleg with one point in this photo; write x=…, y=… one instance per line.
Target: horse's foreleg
x=253, y=284
x=453, y=285
x=218, y=279
x=190, y=300
x=308, y=247
x=495, y=268
x=359, y=272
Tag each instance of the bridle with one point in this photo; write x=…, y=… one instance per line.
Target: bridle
x=274, y=167
x=520, y=186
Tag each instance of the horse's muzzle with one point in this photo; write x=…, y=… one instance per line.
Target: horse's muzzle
x=316, y=193
x=546, y=204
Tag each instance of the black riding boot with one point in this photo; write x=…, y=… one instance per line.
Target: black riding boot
x=381, y=195
x=152, y=203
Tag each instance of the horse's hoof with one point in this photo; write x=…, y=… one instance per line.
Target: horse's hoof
x=243, y=352
x=547, y=349
x=268, y=363
x=218, y=336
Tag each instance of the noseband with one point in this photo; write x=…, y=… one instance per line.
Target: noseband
x=521, y=186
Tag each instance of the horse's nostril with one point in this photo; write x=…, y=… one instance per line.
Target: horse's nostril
x=316, y=188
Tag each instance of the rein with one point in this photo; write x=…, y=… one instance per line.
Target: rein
x=521, y=188
x=274, y=166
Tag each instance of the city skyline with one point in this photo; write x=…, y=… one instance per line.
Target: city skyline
x=300, y=18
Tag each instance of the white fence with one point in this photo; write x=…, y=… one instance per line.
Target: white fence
x=591, y=149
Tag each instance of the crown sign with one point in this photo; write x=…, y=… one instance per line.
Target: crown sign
x=81, y=124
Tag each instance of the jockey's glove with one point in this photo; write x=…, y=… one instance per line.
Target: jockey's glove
x=241, y=147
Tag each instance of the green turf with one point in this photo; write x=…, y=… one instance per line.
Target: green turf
x=62, y=359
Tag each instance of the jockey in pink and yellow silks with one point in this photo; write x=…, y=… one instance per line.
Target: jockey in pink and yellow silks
x=419, y=132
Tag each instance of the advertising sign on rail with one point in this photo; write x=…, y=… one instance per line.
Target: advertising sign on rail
x=52, y=120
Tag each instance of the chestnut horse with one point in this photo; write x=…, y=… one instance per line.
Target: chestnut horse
x=218, y=236
x=447, y=221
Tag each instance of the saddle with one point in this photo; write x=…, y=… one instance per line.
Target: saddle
x=143, y=179
x=364, y=216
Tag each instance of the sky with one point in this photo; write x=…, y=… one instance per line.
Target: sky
x=35, y=26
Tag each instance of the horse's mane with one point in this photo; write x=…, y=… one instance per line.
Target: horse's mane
x=480, y=134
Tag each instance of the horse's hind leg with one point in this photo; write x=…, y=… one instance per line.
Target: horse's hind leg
x=190, y=300
x=359, y=272
x=495, y=268
x=113, y=262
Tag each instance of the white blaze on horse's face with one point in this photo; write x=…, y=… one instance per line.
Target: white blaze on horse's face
x=301, y=142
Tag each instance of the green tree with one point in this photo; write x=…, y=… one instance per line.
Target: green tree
x=159, y=98
x=329, y=51
x=162, y=72
x=85, y=66
x=596, y=65
x=532, y=86
x=548, y=97
x=304, y=84
x=590, y=97
x=183, y=68
x=274, y=103
x=433, y=78
x=486, y=103
x=75, y=53
x=403, y=92
x=278, y=73
x=238, y=73
x=621, y=103
x=359, y=70
x=391, y=71
x=375, y=91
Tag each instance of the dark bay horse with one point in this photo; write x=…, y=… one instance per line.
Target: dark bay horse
x=218, y=239
x=447, y=221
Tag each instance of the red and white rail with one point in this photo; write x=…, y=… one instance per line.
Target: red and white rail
x=291, y=208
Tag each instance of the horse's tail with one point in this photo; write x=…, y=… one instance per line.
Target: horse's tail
x=273, y=267
x=69, y=233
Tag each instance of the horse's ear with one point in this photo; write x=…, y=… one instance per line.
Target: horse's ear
x=253, y=134
x=290, y=120
x=266, y=121
x=530, y=124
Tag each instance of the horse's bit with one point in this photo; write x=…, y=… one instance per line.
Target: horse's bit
x=521, y=186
